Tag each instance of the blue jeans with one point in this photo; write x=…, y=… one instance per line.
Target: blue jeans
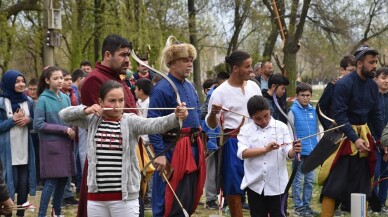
x=302, y=201
x=56, y=185
x=68, y=192
x=20, y=181
x=381, y=172
x=78, y=176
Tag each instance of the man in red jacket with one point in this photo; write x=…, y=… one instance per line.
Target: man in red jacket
x=115, y=61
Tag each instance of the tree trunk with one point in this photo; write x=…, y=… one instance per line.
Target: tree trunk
x=76, y=34
x=270, y=43
x=194, y=42
x=291, y=70
x=97, y=26
x=241, y=13
x=293, y=33
x=26, y=5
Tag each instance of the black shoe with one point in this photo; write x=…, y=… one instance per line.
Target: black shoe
x=147, y=204
x=245, y=206
x=211, y=204
x=70, y=201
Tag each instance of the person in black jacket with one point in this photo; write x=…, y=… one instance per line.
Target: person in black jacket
x=347, y=65
x=279, y=83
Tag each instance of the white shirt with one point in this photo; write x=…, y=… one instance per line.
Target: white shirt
x=143, y=104
x=234, y=99
x=143, y=113
x=18, y=136
x=266, y=172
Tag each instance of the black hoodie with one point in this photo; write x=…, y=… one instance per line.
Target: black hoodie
x=276, y=114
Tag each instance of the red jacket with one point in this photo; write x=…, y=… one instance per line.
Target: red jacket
x=91, y=87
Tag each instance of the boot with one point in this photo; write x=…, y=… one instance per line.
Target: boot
x=235, y=207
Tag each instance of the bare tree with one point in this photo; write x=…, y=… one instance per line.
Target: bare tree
x=371, y=28
x=194, y=41
x=25, y=5
x=241, y=14
x=293, y=31
x=8, y=17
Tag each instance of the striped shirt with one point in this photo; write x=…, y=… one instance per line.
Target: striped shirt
x=109, y=153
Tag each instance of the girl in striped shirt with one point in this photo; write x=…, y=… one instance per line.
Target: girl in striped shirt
x=113, y=174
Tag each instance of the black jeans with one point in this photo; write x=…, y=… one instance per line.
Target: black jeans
x=261, y=206
x=20, y=182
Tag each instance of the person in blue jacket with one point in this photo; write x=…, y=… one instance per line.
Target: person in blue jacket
x=302, y=114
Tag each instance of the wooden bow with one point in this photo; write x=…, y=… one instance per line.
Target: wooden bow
x=178, y=99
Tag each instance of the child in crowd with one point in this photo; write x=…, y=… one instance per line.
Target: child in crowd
x=68, y=196
x=211, y=147
x=17, y=150
x=304, y=117
x=381, y=172
x=57, y=161
x=265, y=144
x=112, y=138
x=77, y=76
x=279, y=83
x=143, y=87
x=68, y=89
x=32, y=90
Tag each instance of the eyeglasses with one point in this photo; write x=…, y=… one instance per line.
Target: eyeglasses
x=305, y=95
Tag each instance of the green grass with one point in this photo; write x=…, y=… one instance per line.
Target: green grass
x=71, y=211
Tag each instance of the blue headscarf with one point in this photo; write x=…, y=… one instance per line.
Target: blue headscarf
x=8, y=86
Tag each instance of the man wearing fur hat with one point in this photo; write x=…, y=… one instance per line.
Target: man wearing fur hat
x=186, y=157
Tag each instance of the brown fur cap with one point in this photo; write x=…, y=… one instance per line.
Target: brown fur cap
x=178, y=51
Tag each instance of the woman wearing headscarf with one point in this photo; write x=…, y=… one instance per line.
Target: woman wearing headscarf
x=16, y=149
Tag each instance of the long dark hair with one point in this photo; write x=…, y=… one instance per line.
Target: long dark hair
x=47, y=72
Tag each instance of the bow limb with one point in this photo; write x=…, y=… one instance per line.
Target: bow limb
x=275, y=99
x=173, y=143
x=324, y=116
x=283, y=201
x=178, y=99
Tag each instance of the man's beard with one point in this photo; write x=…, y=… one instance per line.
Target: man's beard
x=367, y=74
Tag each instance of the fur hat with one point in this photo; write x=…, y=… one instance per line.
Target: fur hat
x=178, y=51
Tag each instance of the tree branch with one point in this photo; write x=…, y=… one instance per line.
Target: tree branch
x=26, y=5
